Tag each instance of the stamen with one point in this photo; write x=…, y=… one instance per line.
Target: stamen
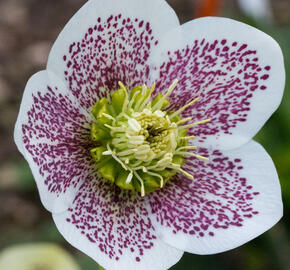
x=140, y=100
x=194, y=124
x=135, y=165
x=107, y=153
x=141, y=182
x=133, y=100
x=144, y=89
x=182, y=121
x=117, y=141
x=126, y=101
x=117, y=159
x=121, y=145
x=126, y=152
x=159, y=176
x=159, y=113
x=159, y=104
x=109, y=116
x=115, y=128
x=134, y=125
x=187, y=138
x=129, y=178
x=192, y=154
x=135, y=140
x=142, y=138
x=142, y=150
x=133, y=143
x=186, y=173
x=177, y=167
x=121, y=115
x=183, y=108
x=145, y=102
x=190, y=147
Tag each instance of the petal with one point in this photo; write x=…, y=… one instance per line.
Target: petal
x=109, y=41
x=50, y=132
x=114, y=229
x=235, y=69
x=235, y=197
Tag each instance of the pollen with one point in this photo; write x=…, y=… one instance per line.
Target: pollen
x=140, y=145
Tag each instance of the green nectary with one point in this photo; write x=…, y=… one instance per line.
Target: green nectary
x=139, y=146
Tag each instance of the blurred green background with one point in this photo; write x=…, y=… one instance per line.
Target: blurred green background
x=28, y=29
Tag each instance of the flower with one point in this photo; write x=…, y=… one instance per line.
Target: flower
x=106, y=73
x=36, y=256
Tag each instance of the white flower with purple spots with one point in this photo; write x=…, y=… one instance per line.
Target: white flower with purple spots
x=139, y=133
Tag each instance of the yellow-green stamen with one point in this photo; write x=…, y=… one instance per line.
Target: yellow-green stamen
x=140, y=146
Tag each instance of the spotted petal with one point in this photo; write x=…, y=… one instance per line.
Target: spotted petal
x=234, y=198
x=236, y=70
x=114, y=229
x=108, y=41
x=51, y=134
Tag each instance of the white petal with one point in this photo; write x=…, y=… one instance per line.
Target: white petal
x=48, y=132
x=108, y=41
x=234, y=198
x=114, y=230
x=235, y=69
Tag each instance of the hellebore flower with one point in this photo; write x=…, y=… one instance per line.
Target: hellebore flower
x=139, y=133
x=36, y=256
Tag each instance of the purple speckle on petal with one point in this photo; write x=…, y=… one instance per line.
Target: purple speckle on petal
x=217, y=198
x=223, y=76
x=94, y=67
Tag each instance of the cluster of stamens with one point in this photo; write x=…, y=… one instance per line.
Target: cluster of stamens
x=139, y=145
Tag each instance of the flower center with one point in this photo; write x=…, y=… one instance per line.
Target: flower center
x=139, y=145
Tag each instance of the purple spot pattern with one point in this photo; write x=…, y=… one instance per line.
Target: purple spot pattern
x=223, y=74
x=116, y=222
x=218, y=197
x=55, y=137
x=115, y=49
